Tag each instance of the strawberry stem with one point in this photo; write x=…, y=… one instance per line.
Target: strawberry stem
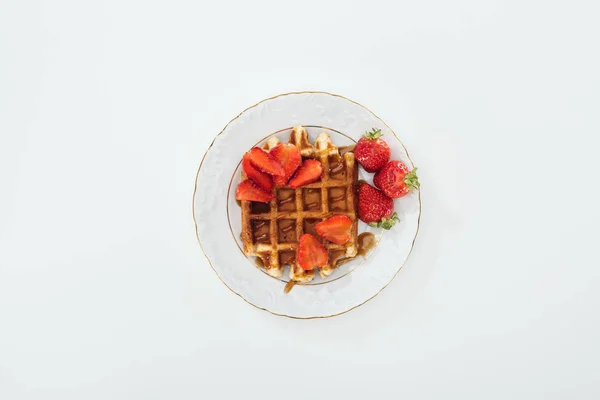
x=412, y=180
x=374, y=134
x=386, y=223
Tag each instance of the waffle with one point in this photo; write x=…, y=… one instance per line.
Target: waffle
x=271, y=230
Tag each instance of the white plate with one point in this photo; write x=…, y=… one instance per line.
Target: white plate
x=218, y=218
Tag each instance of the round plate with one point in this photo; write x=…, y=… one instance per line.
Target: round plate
x=218, y=218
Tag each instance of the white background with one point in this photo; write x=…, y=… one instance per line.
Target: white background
x=106, y=109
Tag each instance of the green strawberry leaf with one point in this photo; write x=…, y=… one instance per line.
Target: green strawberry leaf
x=374, y=134
x=386, y=223
x=412, y=180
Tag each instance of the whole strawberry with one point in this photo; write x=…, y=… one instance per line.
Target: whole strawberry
x=375, y=208
x=396, y=180
x=372, y=152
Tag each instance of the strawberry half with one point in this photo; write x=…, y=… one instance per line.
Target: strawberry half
x=396, y=180
x=311, y=253
x=310, y=171
x=264, y=180
x=289, y=157
x=250, y=191
x=265, y=162
x=336, y=229
x=375, y=208
x=372, y=152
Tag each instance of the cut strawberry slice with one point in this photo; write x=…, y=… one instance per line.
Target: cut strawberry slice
x=250, y=191
x=310, y=171
x=264, y=180
x=289, y=157
x=311, y=253
x=336, y=229
x=265, y=162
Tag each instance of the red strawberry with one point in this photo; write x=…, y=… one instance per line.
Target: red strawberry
x=375, y=208
x=262, y=179
x=311, y=253
x=265, y=162
x=336, y=229
x=248, y=190
x=372, y=152
x=310, y=171
x=396, y=180
x=287, y=155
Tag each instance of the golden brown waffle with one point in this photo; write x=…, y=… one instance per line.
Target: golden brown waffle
x=271, y=230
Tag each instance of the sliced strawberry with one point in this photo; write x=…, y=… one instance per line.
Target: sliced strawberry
x=336, y=229
x=310, y=171
x=289, y=157
x=264, y=180
x=311, y=253
x=248, y=190
x=265, y=162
